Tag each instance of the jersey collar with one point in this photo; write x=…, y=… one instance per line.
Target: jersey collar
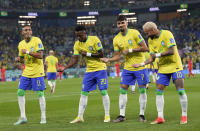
x=126, y=32
x=29, y=40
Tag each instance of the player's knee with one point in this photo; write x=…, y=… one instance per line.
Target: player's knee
x=123, y=91
x=40, y=93
x=181, y=92
x=20, y=92
x=85, y=93
x=142, y=90
x=104, y=92
x=159, y=92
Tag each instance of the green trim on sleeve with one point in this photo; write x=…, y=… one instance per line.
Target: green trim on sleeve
x=39, y=50
x=140, y=41
x=100, y=48
x=76, y=54
x=171, y=45
x=152, y=53
x=116, y=50
x=21, y=56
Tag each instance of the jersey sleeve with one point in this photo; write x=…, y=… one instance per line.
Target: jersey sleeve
x=138, y=37
x=115, y=45
x=76, y=49
x=98, y=44
x=170, y=40
x=20, y=52
x=56, y=60
x=39, y=46
x=46, y=59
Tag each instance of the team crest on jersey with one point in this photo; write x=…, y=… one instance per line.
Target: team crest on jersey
x=39, y=45
x=163, y=43
x=99, y=44
x=171, y=40
x=130, y=42
x=90, y=48
x=32, y=49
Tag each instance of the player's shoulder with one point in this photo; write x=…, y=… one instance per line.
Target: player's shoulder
x=93, y=37
x=132, y=30
x=35, y=38
x=117, y=36
x=166, y=32
x=21, y=42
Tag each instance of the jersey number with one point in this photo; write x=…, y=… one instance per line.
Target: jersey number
x=103, y=81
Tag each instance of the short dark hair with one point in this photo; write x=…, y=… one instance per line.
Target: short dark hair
x=80, y=28
x=121, y=17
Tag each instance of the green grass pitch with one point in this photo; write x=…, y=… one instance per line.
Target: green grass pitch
x=62, y=107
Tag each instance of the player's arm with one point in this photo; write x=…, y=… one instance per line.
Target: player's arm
x=71, y=63
x=99, y=54
x=38, y=54
x=143, y=47
x=166, y=53
x=148, y=61
x=115, y=57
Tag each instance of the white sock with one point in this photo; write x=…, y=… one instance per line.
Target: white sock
x=82, y=105
x=143, y=102
x=160, y=105
x=54, y=84
x=50, y=83
x=132, y=87
x=184, y=104
x=122, y=103
x=106, y=103
x=153, y=77
x=21, y=102
x=42, y=107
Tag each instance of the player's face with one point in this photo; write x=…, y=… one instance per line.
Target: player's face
x=27, y=32
x=122, y=25
x=151, y=33
x=81, y=35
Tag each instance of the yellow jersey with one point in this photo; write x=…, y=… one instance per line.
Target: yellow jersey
x=167, y=64
x=34, y=67
x=155, y=63
x=131, y=40
x=51, y=62
x=147, y=56
x=91, y=45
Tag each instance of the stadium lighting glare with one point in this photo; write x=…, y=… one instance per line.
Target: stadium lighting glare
x=181, y=10
x=131, y=2
x=85, y=21
x=85, y=17
x=86, y=3
x=133, y=13
x=27, y=17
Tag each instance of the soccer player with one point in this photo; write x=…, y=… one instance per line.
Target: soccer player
x=91, y=49
x=31, y=52
x=163, y=46
x=133, y=46
x=52, y=63
x=190, y=66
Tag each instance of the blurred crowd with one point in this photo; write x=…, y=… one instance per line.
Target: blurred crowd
x=186, y=31
x=79, y=4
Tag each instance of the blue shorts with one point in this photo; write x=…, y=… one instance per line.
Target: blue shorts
x=128, y=77
x=35, y=84
x=92, y=79
x=164, y=79
x=155, y=71
x=51, y=75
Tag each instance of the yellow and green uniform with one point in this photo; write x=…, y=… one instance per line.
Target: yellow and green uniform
x=52, y=63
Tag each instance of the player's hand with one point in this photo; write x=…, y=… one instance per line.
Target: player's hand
x=105, y=60
x=125, y=52
x=136, y=65
x=17, y=59
x=153, y=56
x=83, y=53
x=61, y=69
x=23, y=51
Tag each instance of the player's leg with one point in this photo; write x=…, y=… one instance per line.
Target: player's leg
x=38, y=85
x=132, y=86
x=142, y=77
x=24, y=84
x=88, y=84
x=102, y=81
x=126, y=79
x=178, y=78
x=162, y=80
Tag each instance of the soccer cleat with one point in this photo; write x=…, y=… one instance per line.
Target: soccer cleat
x=142, y=118
x=159, y=120
x=21, y=121
x=107, y=119
x=52, y=89
x=77, y=120
x=119, y=119
x=183, y=120
x=43, y=121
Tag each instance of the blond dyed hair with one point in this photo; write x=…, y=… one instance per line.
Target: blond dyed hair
x=149, y=25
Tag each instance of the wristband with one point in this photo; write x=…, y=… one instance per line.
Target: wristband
x=27, y=52
x=158, y=55
x=130, y=50
x=142, y=64
x=89, y=54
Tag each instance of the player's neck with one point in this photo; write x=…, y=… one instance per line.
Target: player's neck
x=158, y=33
x=124, y=32
x=27, y=39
